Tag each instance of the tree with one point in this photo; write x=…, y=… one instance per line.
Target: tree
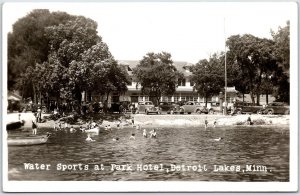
x=282, y=47
x=157, y=75
x=28, y=44
x=208, y=76
x=255, y=57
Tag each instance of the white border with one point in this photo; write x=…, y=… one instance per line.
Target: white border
x=166, y=186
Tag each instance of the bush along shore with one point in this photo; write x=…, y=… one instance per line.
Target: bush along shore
x=158, y=120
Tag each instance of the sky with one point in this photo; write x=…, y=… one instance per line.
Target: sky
x=190, y=31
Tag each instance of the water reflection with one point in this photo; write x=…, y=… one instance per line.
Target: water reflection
x=266, y=146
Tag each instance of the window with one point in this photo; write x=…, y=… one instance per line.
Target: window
x=147, y=98
x=176, y=98
x=181, y=82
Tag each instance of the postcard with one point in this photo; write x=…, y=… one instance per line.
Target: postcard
x=150, y=96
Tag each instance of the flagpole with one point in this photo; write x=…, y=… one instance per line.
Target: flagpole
x=225, y=109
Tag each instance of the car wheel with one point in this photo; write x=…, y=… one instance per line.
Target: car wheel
x=239, y=112
x=211, y=111
x=147, y=112
x=259, y=112
x=198, y=111
x=270, y=112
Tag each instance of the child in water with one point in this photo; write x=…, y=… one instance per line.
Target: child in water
x=153, y=134
x=89, y=138
x=72, y=130
x=215, y=123
x=115, y=139
x=132, y=137
x=144, y=133
x=205, y=122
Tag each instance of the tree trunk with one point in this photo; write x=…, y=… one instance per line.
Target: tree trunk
x=206, y=101
x=267, y=97
x=257, y=99
x=252, y=98
x=243, y=98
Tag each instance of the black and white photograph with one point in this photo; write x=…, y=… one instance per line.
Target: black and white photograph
x=150, y=96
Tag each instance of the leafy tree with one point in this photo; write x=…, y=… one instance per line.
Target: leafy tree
x=157, y=75
x=208, y=76
x=282, y=47
x=28, y=44
x=255, y=57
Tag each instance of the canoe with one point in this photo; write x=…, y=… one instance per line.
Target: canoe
x=15, y=125
x=27, y=141
x=95, y=130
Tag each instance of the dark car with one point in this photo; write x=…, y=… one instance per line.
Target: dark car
x=166, y=107
x=276, y=108
x=195, y=107
x=245, y=107
x=147, y=107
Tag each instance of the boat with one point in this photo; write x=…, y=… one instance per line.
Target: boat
x=27, y=141
x=95, y=130
x=15, y=125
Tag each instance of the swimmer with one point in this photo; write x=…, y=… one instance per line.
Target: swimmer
x=218, y=139
x=153, y=134
x=89, y=138
x=138, y=127
x=115, y=139
x=81, y=129
x=108, y=127
x=132, y=136
x=205, y=123
x=54, y=127
x=215, y=122
x=145, y=133
x=72, y=129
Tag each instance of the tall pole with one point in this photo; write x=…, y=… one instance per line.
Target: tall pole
x=225, y=109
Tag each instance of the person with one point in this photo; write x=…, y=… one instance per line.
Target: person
x=138, y=127
x=108, y=127
x=132, y=137
x=205, y=122
x=132, y=121
x=215, y=122
x=59, y=126
x=249, y=122
x=116, y=139
x=34, y=124
x=72, y=130
x=66, y=125
x=153, y=134
x=54, y=127
x=39, y=114
x=145, y=133
x=119, y=125
x=89, y=138
x=93, y=125
x=81, y=129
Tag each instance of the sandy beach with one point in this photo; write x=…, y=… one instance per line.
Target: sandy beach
x=169, y=120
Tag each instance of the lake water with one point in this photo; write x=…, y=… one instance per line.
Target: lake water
x=265, y=148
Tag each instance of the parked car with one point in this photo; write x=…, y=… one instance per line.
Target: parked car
x=276, y=108
x=147, y=107
x=195, y=107
x=245, y=107
x=166, y=107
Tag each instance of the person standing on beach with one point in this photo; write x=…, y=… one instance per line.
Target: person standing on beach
x=132, y=121
x=249, y=122
x=34, y=124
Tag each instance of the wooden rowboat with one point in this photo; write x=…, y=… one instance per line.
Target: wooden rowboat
x=95, y=130
x=27, y=141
